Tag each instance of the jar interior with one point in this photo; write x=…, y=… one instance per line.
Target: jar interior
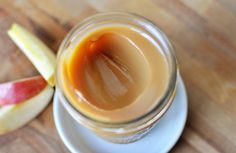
x=96, y=73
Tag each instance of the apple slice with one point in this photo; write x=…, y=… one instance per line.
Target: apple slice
x=20, y=90
x=38, y=53
x=15, y=116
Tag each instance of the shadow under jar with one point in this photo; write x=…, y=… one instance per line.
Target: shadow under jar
x=116, y=75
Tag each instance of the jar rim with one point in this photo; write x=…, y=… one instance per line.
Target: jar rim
x=137, y=19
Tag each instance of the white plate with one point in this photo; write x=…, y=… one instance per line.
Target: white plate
x=160, y=140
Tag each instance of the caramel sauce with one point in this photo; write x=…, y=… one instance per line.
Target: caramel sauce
x=115, y=73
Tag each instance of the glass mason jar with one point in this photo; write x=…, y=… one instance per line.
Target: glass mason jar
x=133, y=130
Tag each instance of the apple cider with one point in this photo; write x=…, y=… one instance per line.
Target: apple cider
x=115, y=77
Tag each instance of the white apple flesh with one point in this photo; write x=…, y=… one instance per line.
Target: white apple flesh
x=38, y=53
x=17, y=115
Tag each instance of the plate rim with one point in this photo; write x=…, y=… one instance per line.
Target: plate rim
x=72, y=149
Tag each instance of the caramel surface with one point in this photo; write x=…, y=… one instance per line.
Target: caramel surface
x=115, y=74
